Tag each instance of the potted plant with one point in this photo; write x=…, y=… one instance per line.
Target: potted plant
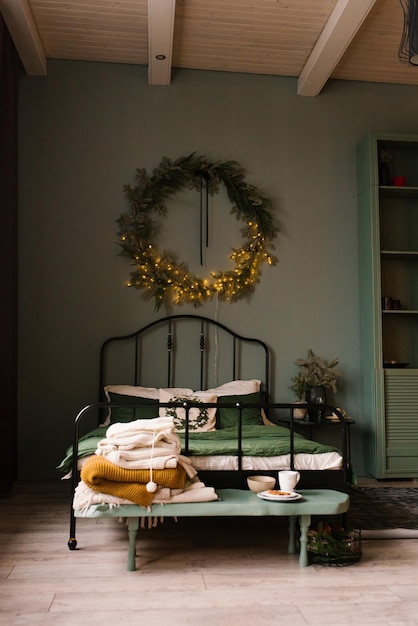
x=299, y=388
x=334, y=545
x=319, y=375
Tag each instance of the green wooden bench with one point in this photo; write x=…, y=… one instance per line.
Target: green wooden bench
x=233, y=503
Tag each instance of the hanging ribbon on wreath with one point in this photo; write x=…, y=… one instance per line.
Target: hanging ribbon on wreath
x=160, y=273
x=204, y=228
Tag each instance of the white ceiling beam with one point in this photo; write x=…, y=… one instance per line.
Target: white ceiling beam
x=160, y=40
x=23, y=31
x=339, y=31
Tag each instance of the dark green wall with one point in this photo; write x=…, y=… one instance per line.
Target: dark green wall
x=85, y=128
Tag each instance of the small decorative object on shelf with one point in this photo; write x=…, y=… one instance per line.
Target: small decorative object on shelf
x=387, y=303
x=385, y=158
x=335, y=418
x=399, y=181
x=319, y=375
x=334, y=545
x=390, y=304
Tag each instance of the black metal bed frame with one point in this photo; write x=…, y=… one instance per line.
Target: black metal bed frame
x=234, y=478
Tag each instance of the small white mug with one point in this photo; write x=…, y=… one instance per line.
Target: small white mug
x=288, y=479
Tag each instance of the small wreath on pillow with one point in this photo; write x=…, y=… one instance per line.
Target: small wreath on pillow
x=200, y=416
x=160, y=272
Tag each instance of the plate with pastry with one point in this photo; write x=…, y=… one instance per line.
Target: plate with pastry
x=278, y=495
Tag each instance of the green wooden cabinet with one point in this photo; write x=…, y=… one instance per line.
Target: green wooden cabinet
x=388, y=248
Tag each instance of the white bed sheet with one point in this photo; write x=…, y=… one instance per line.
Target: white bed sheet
x=302, y=461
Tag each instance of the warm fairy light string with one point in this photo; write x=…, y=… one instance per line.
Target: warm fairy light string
x=159, y=272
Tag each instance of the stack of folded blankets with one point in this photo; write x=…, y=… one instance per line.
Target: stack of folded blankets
x=140, y=462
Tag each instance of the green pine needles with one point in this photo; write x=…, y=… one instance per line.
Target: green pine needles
x=317, y=371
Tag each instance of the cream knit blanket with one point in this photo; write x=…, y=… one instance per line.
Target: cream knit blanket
x=144, y=444
x=158, y=432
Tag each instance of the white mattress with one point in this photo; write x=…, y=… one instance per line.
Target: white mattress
x=302, y=461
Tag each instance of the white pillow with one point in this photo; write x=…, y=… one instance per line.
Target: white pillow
x=237, y=388
x=200, y=419
x=144, y=392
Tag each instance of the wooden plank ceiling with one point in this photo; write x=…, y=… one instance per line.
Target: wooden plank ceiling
x=313, y=40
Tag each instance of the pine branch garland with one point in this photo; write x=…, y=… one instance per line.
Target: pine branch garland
x=158, y=273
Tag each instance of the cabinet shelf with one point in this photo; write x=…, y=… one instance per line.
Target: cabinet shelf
x=399, y=312
x=400, y=254
x=398, y=192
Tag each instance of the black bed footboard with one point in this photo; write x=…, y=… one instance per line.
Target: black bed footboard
x=278, y=413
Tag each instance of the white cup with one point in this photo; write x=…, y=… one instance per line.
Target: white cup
x=288, y=479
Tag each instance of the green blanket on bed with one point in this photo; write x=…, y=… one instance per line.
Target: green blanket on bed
x=256, y=441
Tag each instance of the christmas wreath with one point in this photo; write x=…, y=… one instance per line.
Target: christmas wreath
x=160, y=272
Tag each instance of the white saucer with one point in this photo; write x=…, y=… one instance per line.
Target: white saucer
x=289, y=497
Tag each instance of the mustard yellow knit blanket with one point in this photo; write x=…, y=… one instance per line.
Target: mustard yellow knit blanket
x=103, y=476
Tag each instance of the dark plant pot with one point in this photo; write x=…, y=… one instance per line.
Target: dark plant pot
x=316, y=395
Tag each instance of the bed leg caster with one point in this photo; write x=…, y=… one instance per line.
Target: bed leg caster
x=72, y=543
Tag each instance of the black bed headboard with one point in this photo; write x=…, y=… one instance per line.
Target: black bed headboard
x=183, y=350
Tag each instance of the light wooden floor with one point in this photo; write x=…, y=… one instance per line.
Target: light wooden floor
x=197, y=572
